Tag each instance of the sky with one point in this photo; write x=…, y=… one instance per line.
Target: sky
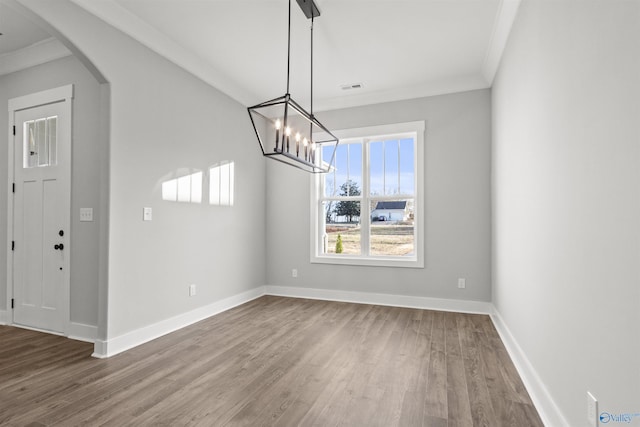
x=391, y=165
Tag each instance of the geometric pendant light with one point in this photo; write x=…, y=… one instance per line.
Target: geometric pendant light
x=286, y=131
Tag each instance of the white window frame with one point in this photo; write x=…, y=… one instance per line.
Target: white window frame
x=416, y=128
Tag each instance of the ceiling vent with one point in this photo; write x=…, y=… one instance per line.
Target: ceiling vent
x=351, y=86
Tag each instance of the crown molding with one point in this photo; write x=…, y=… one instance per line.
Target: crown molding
x=505, y=16
x=130, y=24
x=454, y=84
x=38, y=53
x=124, y=20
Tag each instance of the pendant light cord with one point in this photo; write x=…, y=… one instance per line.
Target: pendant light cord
x=312, y=65
x=289, y=47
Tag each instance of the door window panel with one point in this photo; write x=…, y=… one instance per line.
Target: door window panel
x=40, y=147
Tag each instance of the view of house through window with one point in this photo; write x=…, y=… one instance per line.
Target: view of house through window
x=367, y=202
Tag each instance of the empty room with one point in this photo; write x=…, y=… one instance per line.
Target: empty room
x=320, y=213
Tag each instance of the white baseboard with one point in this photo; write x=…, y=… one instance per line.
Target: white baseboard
x=82, y=332
x=77, y=331
x=547, y=409
x=425, y=303
x=100, y=349
x=113, y=346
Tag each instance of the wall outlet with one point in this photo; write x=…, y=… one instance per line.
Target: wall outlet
x=294, y=272
x=592, y=410
x=462, y=283
x=192, y=290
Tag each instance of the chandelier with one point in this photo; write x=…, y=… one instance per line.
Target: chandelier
x=286, y=131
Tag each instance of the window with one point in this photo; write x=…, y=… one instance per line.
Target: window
x=368, y=209
x=40, y=142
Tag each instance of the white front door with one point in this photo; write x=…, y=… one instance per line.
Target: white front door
x=41, y=216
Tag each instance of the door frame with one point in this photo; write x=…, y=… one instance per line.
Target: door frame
x=62, y=94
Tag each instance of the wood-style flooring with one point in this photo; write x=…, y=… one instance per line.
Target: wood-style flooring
x=274, y=362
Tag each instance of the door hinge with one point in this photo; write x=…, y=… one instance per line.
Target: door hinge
x=13, y=188
x=12, y=302
x=14, y=130
x=13, y=245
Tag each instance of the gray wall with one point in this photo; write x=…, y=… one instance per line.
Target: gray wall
x=85, y=185
x=457, y=203
x=165, y=123
x=566, y=209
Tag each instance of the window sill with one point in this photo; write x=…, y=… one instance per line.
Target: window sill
x=408, y=262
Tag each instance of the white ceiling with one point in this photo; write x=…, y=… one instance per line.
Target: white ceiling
x=397, y=49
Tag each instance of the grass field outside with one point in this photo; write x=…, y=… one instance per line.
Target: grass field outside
x=388, y=239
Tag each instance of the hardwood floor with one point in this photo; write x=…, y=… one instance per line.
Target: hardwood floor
x=274, y=362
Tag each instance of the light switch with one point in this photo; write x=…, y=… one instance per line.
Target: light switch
x=146, y=214
x=86, y=214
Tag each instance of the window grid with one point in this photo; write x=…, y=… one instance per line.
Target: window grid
x=367, y=199
x=409, y=187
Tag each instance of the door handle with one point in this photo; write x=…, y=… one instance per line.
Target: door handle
x=58, y=247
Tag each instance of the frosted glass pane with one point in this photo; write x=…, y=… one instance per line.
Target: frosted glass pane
x=52, y=137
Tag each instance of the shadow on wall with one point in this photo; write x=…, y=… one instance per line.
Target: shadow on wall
x=188, y=185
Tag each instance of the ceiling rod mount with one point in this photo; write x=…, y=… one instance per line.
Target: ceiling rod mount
x=309, y=8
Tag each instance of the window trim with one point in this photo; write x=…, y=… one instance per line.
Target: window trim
x=369, y=133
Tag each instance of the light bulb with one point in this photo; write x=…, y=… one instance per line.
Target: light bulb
x=297, y=143
x=287, y=132
x=278, y=124
x=306, y=149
